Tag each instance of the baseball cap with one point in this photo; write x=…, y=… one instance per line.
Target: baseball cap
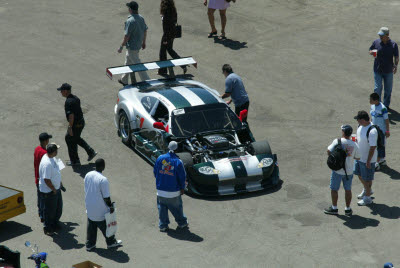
x=52, y=147
x=388, y=265
x=383, y=31
x=347, y=129
x=362, y=115
x=173, y=145
x=64, y=86
x=44, y=136
x=133, y=5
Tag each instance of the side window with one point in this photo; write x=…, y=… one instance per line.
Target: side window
x=149, y=102
x=161, y=114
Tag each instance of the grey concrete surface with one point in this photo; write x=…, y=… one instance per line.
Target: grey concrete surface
x=306, y=68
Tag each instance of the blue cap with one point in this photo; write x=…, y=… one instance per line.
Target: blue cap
x=388, y=265
x=43, y=256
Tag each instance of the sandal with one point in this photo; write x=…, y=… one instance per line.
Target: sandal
x=210, y=35
x=221, y=36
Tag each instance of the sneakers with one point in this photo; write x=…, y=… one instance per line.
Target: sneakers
x=91, y=156
x=116, y=244
x=70, y=163
x=360, y=196
x=377, y=167
x=183, y=226
x=331, y=211
x=90, y=248
x=383, y=163
x=348, y=212
x=164, y=229
x=365, y=201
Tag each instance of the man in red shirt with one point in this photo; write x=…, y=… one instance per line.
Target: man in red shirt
x=37, y=156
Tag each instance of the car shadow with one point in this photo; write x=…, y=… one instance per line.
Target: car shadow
x=394, y=117
x=394, y=174
x=358, y=222
x=184, y=234
x=82, y=170
x=385, y=211
x=65, y=239
x=112, y=254
x=229, y=43
x=16, y=227
x=240, y=195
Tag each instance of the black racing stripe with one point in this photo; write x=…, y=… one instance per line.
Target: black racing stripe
x=175, y=98
x=203, y=94
x=239, y=169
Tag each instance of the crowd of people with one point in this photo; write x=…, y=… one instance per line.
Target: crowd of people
x=366, y=153
x=365, y=150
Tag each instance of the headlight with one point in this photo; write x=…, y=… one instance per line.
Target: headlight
x=265, y=162
x=209, y=170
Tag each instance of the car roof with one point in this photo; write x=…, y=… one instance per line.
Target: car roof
x=178, y=93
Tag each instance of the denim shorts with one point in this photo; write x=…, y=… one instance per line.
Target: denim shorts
x=360, y=169
x=336, y=179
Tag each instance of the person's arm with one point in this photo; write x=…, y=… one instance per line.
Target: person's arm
x=328, y=152
x=396, y=61
x=225, y=95
x=124, y=41
x=50, y=185
x=205, y=2
x=71, y=119
x=144, y=40
x=387, y=133
x=372, y=47
x=370, y=155
x=105, y=192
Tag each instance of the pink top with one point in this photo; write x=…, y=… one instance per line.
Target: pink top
x=218, y=4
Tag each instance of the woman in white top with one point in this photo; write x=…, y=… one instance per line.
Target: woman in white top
x=222, y=6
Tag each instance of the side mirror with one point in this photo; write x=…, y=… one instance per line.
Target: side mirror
x=243, y=114
x=159, y=125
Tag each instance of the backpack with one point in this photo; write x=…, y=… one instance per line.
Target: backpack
x=337, y=158
x=380, y=143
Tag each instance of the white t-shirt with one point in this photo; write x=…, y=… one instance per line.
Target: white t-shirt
x=363, y=143
x=352, y=152
x=48, y=169
x=96, y=189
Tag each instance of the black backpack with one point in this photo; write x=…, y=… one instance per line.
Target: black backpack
x=337, y=158
x=380, y=143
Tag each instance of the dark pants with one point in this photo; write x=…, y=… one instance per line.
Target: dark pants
x=163, y=53
x=91, y=233
x=52, y=209
x=75, y=140
x=238, y=109
x=39, y=202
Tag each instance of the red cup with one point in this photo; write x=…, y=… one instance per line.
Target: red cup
x=374, y=52
x=354, y=137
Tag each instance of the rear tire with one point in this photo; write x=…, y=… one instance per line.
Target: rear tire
x=124, y=128
x=260, y=147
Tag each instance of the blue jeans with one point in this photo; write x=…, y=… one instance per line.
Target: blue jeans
x=52, y=209
x=175, y=206
x=388, y=84
x=336, y=179
x=360, y=169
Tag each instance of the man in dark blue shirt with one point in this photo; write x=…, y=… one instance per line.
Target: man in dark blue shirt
x=384, y=68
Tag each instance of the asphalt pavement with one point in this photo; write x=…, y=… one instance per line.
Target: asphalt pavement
x=306, y=67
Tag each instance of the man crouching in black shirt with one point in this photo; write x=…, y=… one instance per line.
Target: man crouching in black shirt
x=73, y=112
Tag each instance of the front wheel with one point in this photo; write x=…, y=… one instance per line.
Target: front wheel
x=260, y=147
x=124, y=128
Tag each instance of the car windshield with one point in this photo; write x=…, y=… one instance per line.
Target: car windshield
x=192, y=120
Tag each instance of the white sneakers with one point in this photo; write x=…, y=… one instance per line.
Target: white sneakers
x=360, y=196
x=365, y=201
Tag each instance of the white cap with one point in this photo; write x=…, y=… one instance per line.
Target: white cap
x=173, y=145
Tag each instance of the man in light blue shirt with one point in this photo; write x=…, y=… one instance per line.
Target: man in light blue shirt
x=134, y=39
x=380, y=118
x=234, y=88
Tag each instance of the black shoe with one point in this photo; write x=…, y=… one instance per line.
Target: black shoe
x=331, y=211
x=70, y=163
x=91, y=156
x=348, y=212
x=122, y=83
x=48, y=231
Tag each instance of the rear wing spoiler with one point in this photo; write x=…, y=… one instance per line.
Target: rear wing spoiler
x=140, y=67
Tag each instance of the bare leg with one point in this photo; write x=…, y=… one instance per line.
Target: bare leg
x=334, y=195
x=222, y=14
x=347, y=197
x=368, y=186
x=211, y=19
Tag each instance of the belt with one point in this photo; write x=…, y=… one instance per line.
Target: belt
x=49, y=193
